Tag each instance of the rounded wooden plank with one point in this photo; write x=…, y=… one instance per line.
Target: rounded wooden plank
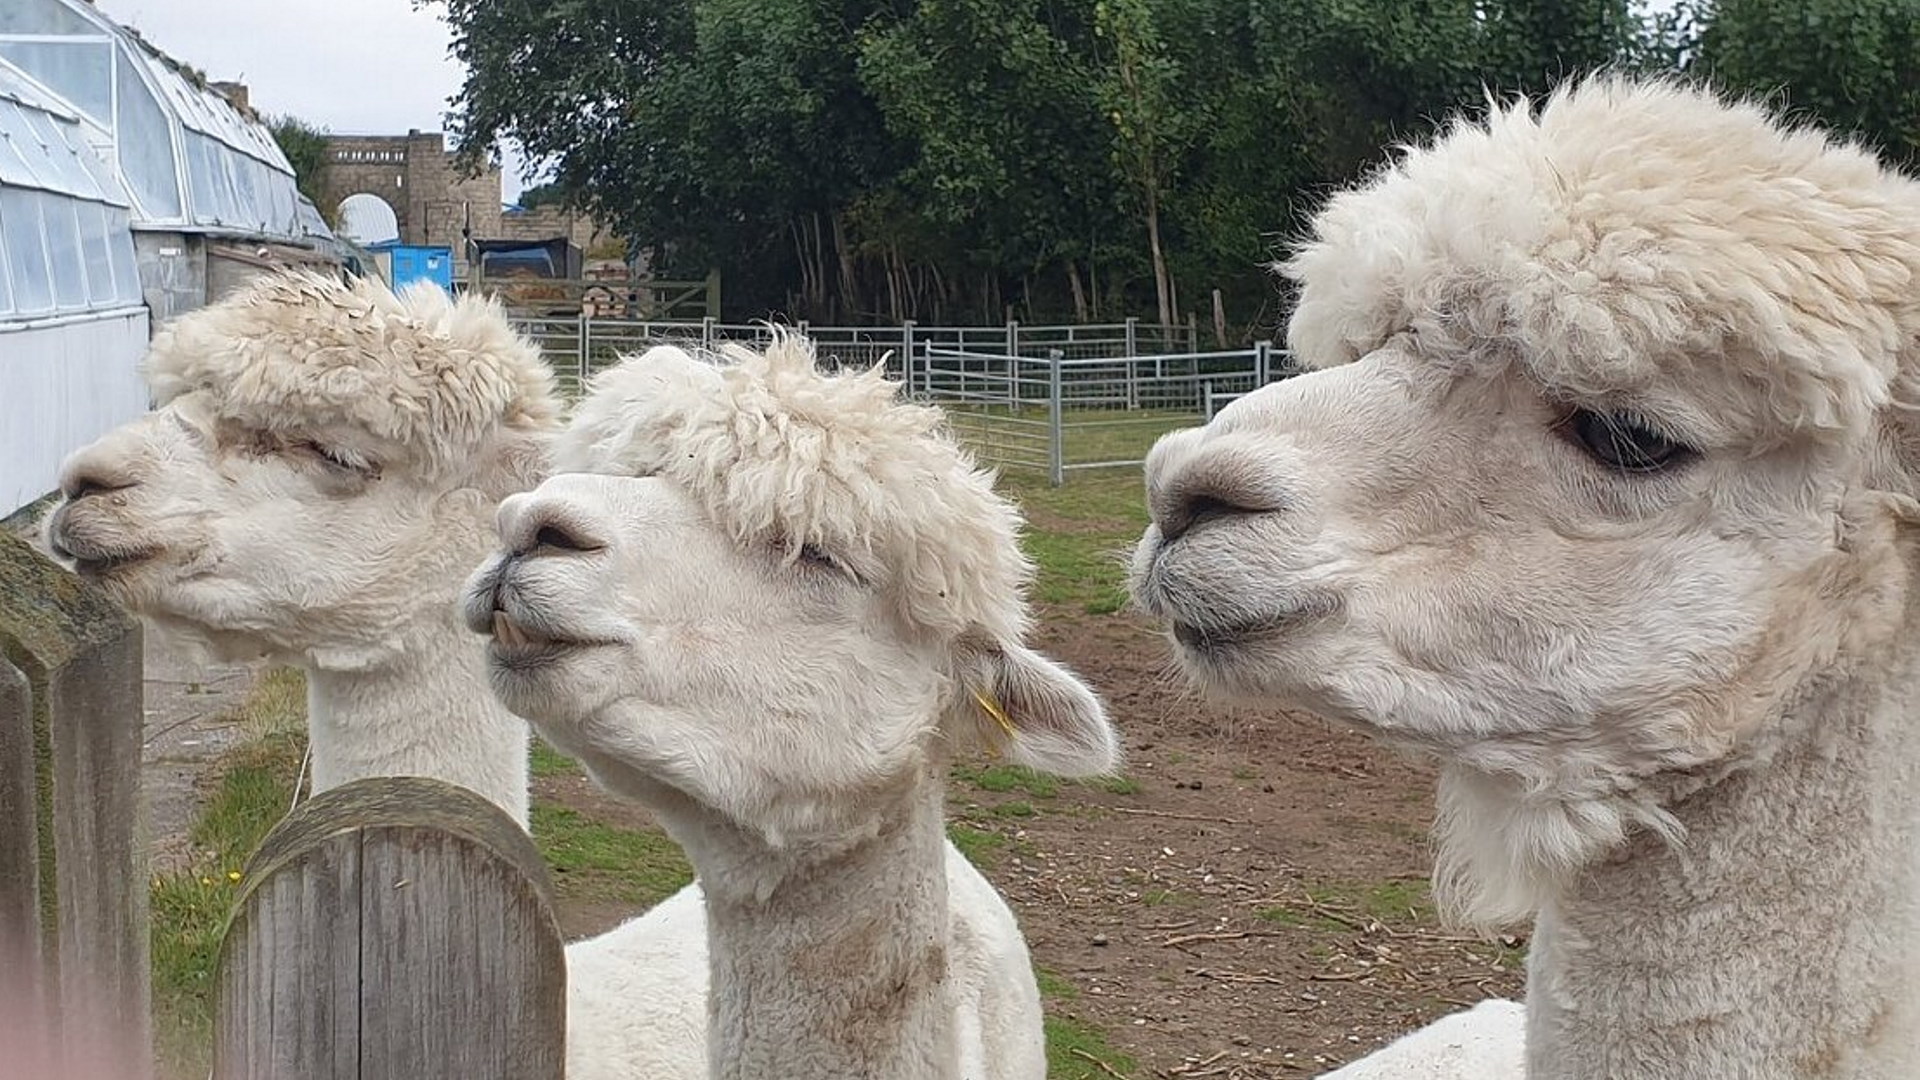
x=395, y=927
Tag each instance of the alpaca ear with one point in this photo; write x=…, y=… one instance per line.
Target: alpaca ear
x=1033, y=710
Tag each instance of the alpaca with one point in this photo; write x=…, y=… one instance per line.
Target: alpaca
x=768, y=603
x=1602, y=496
x=1485, y=1042
x=318, y=479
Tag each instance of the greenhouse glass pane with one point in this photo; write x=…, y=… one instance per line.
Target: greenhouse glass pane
x=79, y=71
x=42, y=17
x=93, y=248
x=13, y=162
x=245, y=172
x=68, y=174
x=146, y=147
x=26, y=251
x=200, y=178
x=6, y=276
x=24, y=145
x=126, y=268
x=64, y=251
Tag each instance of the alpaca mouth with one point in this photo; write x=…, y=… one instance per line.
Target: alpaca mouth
x=1213, y=638
x=100, y=564
x=516, y=644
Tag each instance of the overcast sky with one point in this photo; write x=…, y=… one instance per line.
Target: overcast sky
x=359, y=67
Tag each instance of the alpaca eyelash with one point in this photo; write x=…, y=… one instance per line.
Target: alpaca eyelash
x=1624, y=441
x=339, y=459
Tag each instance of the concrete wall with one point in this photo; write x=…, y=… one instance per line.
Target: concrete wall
x=62, y=385
x=173, y=272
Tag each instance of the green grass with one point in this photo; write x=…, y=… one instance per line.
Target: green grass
x=1014, y=810
x=1114, y=785
x=594, y=861
x=546, y=761
x=982, y=848
x=1079, y=537
x=189, y=907
x=1068, y=1039
x=1053, y=986
x=1004, y=778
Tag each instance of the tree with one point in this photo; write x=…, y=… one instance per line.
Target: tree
x=547, y=194
x=306, y=150
x=1853, y=64
x=1150, y=127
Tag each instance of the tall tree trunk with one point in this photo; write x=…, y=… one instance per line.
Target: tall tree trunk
x=1079, y=294
x=1162, y=285
x=848, y=301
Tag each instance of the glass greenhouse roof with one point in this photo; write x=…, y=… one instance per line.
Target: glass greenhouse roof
x=177, y=152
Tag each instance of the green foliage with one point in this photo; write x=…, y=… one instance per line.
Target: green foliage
x=1851, y=64
x=967, y=160
x=306, y=150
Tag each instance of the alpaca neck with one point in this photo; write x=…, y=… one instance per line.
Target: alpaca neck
x=424, y=711
x=831, y=967
x=1780, y=940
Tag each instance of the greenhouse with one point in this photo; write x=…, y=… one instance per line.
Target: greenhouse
x=131, y=190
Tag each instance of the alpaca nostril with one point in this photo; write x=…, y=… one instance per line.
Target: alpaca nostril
x=80, y=486
x=1197, y=510
x=560, y=538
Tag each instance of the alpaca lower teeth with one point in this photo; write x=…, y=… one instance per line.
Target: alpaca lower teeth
x=505, y=632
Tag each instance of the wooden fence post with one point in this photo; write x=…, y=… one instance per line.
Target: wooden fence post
x=73, y=874
x=395, y=928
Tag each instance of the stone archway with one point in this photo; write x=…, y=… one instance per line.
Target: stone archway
x=368, y=219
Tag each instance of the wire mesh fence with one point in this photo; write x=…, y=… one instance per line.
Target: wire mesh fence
x=1064, y=415
x=1054, y=399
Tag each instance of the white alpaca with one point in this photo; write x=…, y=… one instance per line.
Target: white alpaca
x=1604, y=499
x=318, y=480
x=773, y=621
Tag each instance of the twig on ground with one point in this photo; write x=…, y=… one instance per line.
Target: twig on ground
x=1104, y=1067
x=1142, y=812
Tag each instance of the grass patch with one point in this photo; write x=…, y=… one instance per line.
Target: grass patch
x=1004, y=778
x=1053, y=986
x=592, y=860
x=189, y=907
x=981, y=847
x=546, y=761
x=1114, y=785
x=1081, y=535
x=1069, y=1039
x=1014, y=810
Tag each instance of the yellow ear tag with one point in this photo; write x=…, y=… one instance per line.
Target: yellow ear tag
x=993, y=709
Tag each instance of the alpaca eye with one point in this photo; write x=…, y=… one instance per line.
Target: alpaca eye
x=811, y=554
x=1621, y=441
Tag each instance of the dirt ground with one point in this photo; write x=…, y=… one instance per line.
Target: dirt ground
x=1251, y=904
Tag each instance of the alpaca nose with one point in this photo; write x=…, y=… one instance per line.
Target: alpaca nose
x=532, y=524
x=86, y=476
x=1188, y=510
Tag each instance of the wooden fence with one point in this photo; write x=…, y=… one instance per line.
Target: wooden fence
x=395, y=928
x=73, y=877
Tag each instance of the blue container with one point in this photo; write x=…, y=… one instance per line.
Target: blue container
x=419, y=262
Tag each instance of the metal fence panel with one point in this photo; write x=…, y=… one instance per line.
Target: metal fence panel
x=1056, y=399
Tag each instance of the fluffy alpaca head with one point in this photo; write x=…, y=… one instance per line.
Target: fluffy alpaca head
x=776, y=592
x=323, y=456
x=1603, y=465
